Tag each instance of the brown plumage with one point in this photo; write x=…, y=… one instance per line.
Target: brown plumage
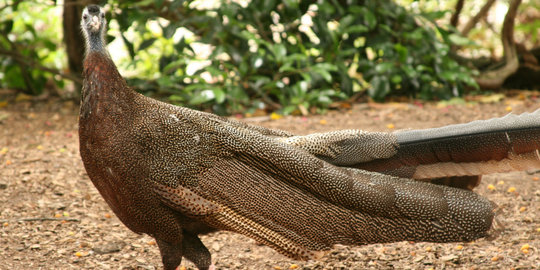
x=174, y=173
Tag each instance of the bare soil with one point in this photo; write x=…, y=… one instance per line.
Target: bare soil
x=52, y=217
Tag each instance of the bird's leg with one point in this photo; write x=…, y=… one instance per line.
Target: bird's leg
x=195, y=251
x=171, y=254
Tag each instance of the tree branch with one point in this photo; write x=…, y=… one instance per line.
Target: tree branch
x=16, y=56
x=455, y=17
x=474, y=20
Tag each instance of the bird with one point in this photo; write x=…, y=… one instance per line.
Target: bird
x=175, y=173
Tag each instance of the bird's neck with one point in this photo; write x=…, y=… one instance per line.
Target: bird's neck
x=95, y=43
x=102, y=79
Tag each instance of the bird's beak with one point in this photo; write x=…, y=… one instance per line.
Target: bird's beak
x=95, y=24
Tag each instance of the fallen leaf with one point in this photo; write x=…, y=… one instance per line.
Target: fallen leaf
x=495, y=98
x=275, y=116
x=22, y=97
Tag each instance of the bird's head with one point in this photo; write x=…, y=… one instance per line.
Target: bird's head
x=93, y=26
x=93, y=20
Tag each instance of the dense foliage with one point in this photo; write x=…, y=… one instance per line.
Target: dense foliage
x=29, y=41
x=295, y=55
x=291, y=56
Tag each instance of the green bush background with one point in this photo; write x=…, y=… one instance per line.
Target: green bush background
x=285, y=56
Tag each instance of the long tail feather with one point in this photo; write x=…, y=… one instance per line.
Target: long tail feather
x=504, y=144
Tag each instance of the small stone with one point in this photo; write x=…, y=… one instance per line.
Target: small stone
x=108, y=248
x=418, y=259
x=448, y=258
x=57, y=206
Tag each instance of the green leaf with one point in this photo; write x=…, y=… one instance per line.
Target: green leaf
x=147, y=43
x=170, y=30
x=434, y=15
x=279, y=51
x=326, y=66
x=384, y=67
x=287, y=68
x=176, y=98
x=396, y=79
x=379, y=87
x=143, y=3
x=8, y=26
x=13, y=77
x=202, y=97
x=346, y=21
x=165, y=81
x=402, y=51
x=325, y=74
x=369, y=19
x=460, y=40
x=219, y=95
x=356, y=29
x=295, y=57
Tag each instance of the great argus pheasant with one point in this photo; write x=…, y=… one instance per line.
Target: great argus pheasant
x=175, y=173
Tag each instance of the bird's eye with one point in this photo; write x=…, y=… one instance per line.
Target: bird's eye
x=85, y=17
x=102, y=15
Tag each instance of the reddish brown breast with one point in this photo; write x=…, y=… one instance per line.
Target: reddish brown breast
x=113, y=160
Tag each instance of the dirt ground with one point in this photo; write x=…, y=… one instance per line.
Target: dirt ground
x=52, y=217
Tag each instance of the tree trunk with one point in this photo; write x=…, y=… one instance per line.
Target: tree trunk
x=73, y=37
x=494, y=79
